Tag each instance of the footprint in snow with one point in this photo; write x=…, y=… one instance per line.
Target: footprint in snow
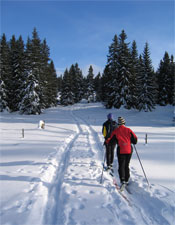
x=74, y=192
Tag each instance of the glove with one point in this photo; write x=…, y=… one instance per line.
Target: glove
x=107, y=141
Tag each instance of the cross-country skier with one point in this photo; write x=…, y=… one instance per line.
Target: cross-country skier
x=124, y=137
x=108, y=126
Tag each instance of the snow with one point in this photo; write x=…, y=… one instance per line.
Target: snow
x=52, y=175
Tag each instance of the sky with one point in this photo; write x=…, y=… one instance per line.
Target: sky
x=82, y=31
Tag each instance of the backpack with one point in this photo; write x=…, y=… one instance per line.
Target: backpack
x=108, y=127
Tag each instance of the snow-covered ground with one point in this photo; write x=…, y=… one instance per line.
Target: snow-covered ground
x=52, y=175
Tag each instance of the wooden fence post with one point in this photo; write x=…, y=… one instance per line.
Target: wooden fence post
x=146, y=139
x=23, y=133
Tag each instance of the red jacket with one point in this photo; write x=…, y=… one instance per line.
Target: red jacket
x=125, y=136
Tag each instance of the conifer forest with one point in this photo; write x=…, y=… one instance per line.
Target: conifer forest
x=29, y=83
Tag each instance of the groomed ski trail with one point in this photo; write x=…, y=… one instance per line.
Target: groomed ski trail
x=77, y=187
x=75, y=196
x=75, y=191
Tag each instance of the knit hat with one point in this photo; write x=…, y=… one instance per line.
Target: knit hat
x=121, y=121
x=109, y=116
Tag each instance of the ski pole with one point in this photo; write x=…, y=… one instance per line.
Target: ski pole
x=141, y=165
x=103, y=168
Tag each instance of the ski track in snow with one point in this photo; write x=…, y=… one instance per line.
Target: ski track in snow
x=69, y=192
x=75, y=195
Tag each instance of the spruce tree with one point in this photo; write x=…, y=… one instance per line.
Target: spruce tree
x=77, y=84
x=110, y=92
x=28, y=77
x=37, y=65
x=3, y=97
x=146, y=82
x=17, y=64
x=164, y=84
x=30, y=92
x=59, y=83
x=13, y=80
x=105, y=88
x=67, y=96
x=45, y=75
x=97, y=86
x=134, y=74
x=124, y=73
x=31, y=102
x=51, y=86
x=171, y=89
x=53, y=83
x=90, y=93
x=5, y=74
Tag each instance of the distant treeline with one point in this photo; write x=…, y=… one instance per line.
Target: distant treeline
x=29, y=84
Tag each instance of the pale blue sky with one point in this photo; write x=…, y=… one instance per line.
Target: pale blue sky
x=81, y=31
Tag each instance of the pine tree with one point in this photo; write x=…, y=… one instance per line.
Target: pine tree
x=3, y=97
x=37, y=65
x=90, y=93
x=28, y=77
x=12, y=76
x=146, y=82
x=97, y=86
x=30, y=92
x=51, y=86
x=77, y=83
x=171, y=90
x=110, y=92
x=17, y=65
x=45, y=75
x=134, y=74
x=59, y=83
x=163, y=75
x=31, y=102
x=105, y=88
x=124, y=73
x=67, y=96
x=5, y=73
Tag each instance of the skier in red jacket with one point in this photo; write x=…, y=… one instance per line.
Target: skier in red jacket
x=124, y=136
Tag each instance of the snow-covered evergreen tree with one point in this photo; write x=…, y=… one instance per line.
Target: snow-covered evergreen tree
x=163, y=76
x=52, y=85
x=5, y=73
x=77, y=83
x=31, y=91
x=105, y=89
x=124, y=73
x=3, y=97
x=97, y=86
x=134, y=74
x=27, y=72
x=36, y=61
x=44, y=75
x=172, y=78
x=146, y=82
x=67, y=95
x=110, y=92
x=17, y=64
x=31, y=101
x=90, y=91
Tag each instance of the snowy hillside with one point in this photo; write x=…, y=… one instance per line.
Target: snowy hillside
x=52, y=176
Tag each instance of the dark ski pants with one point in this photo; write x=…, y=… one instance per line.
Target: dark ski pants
x=109, y=154
x=123, y=169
